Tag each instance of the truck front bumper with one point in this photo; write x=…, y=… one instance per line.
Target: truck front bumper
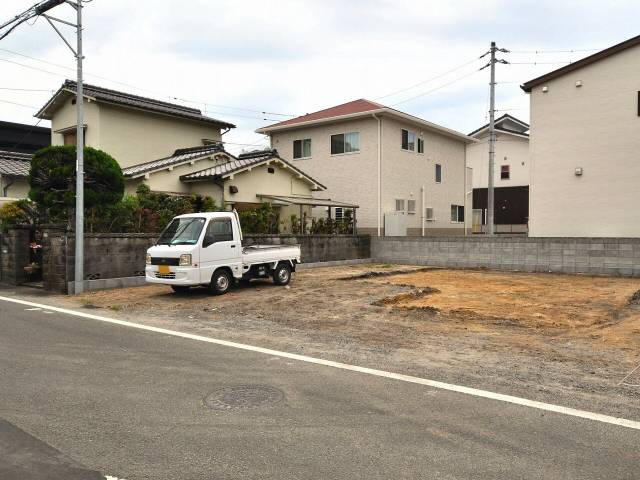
x=177, y=275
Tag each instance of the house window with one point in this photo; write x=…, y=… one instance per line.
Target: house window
x=428, y=214
x=411, y=207
x=271, y=170
x=339, y=213
x=420, y=145
x=302, y=148
x=70, y=138
x=408, y=140
x=345, y=143
x=438, y=173
x=400, y=205
x=457, y=213
x=504, y=172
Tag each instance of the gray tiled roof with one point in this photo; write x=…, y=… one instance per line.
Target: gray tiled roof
x=14, y=164
x=179, y=156
x=135, y=101
x=241, y=162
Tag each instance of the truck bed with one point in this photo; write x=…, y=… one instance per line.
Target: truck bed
x=253, y=254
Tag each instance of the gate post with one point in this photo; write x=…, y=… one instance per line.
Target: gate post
x=55, y=268
x=15, y=254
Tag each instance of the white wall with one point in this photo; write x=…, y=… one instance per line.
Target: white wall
x=595, y=127
x=511, y=150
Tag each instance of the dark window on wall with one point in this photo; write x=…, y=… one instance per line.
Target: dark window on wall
x=420, y=145
x=345, y=143
x=457, y=213
x=302, y=148
x=408, y=140
x=438, y=173
x=639, y=104
x=504, y=172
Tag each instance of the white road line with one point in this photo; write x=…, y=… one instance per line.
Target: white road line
x=31, y=309
x=622, y=422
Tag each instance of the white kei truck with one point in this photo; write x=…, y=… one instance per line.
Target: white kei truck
x=206, y=249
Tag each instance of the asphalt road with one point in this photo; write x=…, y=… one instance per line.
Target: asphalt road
x=143, y=405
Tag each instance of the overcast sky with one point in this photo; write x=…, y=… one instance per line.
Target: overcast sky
x=295, y=57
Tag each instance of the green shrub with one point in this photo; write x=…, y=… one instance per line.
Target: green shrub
x=262, y=219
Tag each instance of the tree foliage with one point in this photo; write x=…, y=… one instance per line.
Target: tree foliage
x=52, y=181
x=263, y=219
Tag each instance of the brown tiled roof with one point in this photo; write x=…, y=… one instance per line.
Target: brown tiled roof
x=241, y=162
x=182, y=155
x=607, y=52
x=356, y=106
x=126, y=99
x=14, y=164
x=500, y=120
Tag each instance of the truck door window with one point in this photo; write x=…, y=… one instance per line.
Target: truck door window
x=218, y=230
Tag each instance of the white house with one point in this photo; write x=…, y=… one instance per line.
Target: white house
x=585, y=146
x=511, y=175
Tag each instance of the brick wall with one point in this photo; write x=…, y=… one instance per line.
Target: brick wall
x=14, y=254
x=597, y=256
x=319, y=248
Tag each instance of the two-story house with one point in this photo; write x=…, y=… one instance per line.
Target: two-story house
x=585, y=144
x=510, y=175
x=177, y=150
x=386, y=161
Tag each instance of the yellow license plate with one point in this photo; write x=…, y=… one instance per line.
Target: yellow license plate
x=163, y=269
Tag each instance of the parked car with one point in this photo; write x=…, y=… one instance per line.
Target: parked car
x=206, y=249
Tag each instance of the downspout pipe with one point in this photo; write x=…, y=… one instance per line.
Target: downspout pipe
x=379, y=173
x=424, y=209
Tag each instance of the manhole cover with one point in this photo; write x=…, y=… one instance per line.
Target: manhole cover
x=243, y=397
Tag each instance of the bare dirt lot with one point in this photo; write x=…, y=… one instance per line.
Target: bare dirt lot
x=560, y=338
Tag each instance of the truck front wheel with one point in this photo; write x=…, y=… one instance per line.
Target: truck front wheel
x=220, y=282
x=282, y=274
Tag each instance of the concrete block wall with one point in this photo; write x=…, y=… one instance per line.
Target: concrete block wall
x=319, y=248
x=596, y=256
x=14, y=254
x=106, y=256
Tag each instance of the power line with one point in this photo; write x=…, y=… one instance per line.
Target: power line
x=575, y=50
x=26, y=89
x=428, y=92
x=541, y=63
x=263, y=112
x=27, y=134
x=19, y=104
x=428, y=80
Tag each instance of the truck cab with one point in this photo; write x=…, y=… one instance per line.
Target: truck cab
x=206, y=249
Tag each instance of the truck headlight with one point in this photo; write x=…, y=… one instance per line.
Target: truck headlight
x=148, y=259
x=185, y=260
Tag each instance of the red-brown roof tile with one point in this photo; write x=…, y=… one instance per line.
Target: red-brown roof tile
x=356, y=106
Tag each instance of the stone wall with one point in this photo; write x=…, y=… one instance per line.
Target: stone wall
x=14, y=254
x=596, y=256
x=319, y=248
x=106, y=256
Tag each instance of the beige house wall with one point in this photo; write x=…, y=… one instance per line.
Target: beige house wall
x=353, y=177
x=133, y=136
x=259, y=181
x=595, y=127
x=510, y=150
x=65, y=117
x=18, y=188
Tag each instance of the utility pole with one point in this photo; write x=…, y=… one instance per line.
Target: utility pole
x=40, y=9
x=492, y=139
x=492, y=133
x=79, y=257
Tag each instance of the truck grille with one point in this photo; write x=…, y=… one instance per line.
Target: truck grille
x=165, y=261
x=166, y=276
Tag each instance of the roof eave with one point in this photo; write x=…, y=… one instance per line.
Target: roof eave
x=386, y=110
x=607, y=52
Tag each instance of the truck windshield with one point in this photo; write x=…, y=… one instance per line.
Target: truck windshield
x=182, y=231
